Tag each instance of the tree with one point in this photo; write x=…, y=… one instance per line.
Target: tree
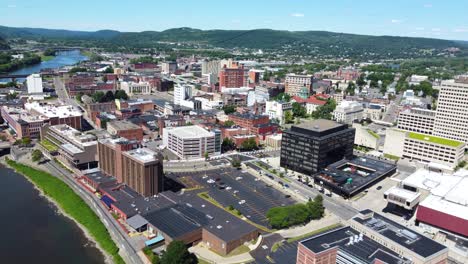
x=229, y=123
x=177, y=253
x=104, y=78
x=78, y=97
x=235, y=162
x=49, y=52
x=325, y=111
x=121, y=94
x=206, y=155
x=227, y=145
x=36, y=155
x=298, y=110
x=350, y=90
x=288, y=117
x=283, y=97
x=109, y=70
x=249, y=144
x=316, y=207
x=98, y=96
x=229, y=109
x=360, y=81
x=25, y=141
x=109, y=96
x=12, y=96
x=77, y=69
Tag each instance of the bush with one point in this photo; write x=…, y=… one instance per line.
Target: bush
x=36, y=155
x=287, y=216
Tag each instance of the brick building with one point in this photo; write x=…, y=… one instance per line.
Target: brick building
x=233, y=77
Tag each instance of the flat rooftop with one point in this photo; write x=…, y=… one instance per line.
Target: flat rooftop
x=362, y=247
x=408, y=195
x=122, y=125
x=435, y=140
x=319, y=125
x=74, y=135
x=399, y=234
x=142, y=154
x=448, y=191
x=50, y=111
x=190, y=132
x=351, y=176
x=217, y=221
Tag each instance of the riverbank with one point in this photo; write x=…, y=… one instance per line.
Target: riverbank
x=72, y=206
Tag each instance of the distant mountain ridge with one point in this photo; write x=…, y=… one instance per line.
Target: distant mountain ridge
x=320, y=41
x=3, y=44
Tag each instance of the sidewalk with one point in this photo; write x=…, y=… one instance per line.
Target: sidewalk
x=327, y=220
x=210, y=256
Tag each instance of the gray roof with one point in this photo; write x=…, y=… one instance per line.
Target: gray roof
x=136, y=221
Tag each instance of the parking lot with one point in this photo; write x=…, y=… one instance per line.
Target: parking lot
x=236, y=188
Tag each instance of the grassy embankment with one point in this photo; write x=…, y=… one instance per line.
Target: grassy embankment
x=46, y=58
x=72, y=205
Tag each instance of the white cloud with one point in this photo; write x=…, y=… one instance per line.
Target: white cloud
x=435, y=30
x=235, y=21
x=396, y=21
x=461, y=30
x=429, y=5
x=297, y=15
x=419, y=28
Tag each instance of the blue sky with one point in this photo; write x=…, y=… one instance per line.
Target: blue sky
x=438, y=19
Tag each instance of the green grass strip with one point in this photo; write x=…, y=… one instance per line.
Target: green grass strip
x=315, y=232
x=434, y=139
x=72, y=205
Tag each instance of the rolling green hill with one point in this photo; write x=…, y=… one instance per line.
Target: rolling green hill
x=301, y=42
x=3, y=44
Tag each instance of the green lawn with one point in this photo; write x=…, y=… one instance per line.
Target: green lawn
x=327, y=228
x=71, y=204
x=48, y=145
x=46, y=58
x=435, y=140
x=392, y=157
x=373, y=134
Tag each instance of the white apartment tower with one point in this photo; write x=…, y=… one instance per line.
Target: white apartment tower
x=451, y=118
x=34, y=83
x=182, y=93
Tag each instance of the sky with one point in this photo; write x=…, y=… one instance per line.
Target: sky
x=445, y=19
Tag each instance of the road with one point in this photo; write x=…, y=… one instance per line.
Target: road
x=65, y=98
x=338, y=208
x=392, y=110
x=119, y=236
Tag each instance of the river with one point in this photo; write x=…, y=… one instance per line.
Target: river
x=32, y=229
x=63, y=58
x=34, y=232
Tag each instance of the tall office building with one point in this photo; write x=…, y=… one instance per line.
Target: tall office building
x=182, y=93
x=309, y=147
x=233, y=77
x=34, y=83
x=212, y=67
x=139, y=168
x=451, y=118
x=294, y=83
x=417, y=120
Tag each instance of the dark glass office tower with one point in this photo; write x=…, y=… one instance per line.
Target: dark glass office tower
x=309, y=147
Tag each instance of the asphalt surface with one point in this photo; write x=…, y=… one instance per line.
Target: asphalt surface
x=338, y=208
x=239, y=186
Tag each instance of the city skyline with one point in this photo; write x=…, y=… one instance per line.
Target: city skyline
x=430, y=19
